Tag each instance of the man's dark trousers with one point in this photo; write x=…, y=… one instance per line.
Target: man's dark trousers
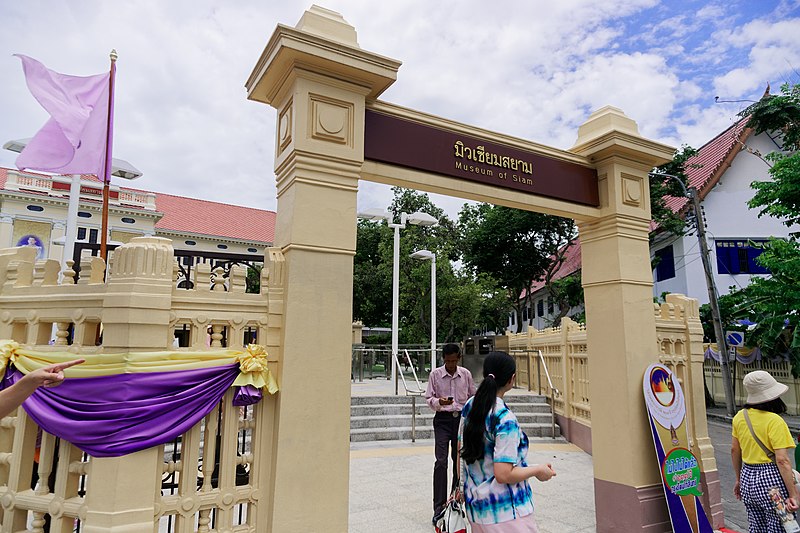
x=445, y=434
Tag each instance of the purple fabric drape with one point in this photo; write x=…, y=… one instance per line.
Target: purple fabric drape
x=110, y=416
x=247, y=395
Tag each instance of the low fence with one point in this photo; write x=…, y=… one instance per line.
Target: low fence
x=780, y=370
x=564, y=350
x=208, y=479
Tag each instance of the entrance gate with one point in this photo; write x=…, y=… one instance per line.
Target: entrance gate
x=331, y=132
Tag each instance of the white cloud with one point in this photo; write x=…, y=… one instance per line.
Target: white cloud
x=530, y=69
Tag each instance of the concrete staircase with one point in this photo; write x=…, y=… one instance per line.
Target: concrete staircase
x=381, y=418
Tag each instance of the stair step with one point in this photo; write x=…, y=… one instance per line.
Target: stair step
x=399, y=420
x=534, y=431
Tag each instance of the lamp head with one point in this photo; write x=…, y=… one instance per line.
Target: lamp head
x=375, y=214
x=423, y=255
x=421, y=219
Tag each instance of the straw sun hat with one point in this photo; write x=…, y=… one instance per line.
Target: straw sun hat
x=761, y=387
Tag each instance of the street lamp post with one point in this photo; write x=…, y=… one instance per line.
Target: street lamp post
x=424, y=255
x=420, y=219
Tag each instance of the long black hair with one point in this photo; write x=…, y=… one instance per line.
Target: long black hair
x=498, y=368
x=773, y=406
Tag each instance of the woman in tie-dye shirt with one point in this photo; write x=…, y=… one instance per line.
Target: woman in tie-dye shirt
x=493, y=448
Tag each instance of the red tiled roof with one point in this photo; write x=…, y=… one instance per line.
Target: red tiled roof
x=202, y=217
x=572, y=263
x=712, y=157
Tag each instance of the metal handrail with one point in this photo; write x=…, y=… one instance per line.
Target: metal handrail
x=411, y=392
x=553, y=392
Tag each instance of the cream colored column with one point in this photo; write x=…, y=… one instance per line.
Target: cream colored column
x=317, y=78
x=119, y=496
x=56, y=252
x=621, y=331
x=6, y=231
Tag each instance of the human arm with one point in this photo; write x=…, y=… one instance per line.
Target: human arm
x=48, y=376
x=736, y=459
x=785, y=468
x=432, y=398
x=509, y=473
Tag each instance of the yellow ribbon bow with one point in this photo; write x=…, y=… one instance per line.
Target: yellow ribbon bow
x=8, y=354
x=253, y=369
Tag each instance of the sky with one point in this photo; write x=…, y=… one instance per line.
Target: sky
x=528, y=68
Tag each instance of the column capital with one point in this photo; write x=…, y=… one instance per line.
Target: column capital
x=609, y=133
x=322, y=43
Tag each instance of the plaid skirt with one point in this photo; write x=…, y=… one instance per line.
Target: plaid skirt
x=756, y=480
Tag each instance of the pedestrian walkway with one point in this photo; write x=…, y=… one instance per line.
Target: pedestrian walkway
x=391, y=482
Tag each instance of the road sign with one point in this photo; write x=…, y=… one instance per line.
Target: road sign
x=734, y=338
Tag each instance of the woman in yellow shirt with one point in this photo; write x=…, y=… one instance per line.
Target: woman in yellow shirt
x=757, y=471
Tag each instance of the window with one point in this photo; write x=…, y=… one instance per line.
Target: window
x=84, y=214
x=128, y=220
x=222, y=246
x=190, y=243
x=739, y=256
x=81, y=234
x=36, y=208
x=540, y=308
x=665, y=267
x=524, y=314
x=93, y=235
x=252, y=250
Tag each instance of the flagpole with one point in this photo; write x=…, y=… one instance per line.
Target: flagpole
x=107, y=165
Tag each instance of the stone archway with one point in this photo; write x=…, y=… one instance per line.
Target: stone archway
x=325, y=89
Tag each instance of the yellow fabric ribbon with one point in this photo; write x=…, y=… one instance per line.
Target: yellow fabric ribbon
x=8, y=354
x=252, y=363
x=253, y=369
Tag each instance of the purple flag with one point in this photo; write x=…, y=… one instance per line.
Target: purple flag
x=74, y=139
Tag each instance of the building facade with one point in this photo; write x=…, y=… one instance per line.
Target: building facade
x=722, y=172
x=33, y=212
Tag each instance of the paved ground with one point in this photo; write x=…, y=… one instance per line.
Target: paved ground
x=391, y=482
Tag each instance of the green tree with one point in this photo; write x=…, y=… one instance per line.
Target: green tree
x=773, y=303
x=461, y=298
x=660, y=189
x=513, y=246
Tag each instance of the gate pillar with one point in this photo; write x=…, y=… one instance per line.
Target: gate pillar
x=317, y=78
x=621, y=332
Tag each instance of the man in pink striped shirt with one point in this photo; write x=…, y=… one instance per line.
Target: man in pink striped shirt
x=449, y=388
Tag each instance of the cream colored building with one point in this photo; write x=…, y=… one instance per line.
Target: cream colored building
x=33, y=211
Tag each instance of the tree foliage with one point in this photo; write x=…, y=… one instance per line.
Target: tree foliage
x=512, y=246
x=773, y=303
x=661, y=188
x=461, y=299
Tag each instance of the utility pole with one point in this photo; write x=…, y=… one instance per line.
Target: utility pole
x=716, y=317
x=713, y=301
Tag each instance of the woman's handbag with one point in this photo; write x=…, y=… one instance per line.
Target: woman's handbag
x=769, y=453
x=454, y=517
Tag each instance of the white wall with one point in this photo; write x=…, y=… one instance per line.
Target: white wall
x=727, y=217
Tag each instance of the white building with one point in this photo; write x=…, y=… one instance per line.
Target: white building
x=729, y=163
x=33, y=211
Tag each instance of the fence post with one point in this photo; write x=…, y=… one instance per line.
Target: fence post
x=136, y=308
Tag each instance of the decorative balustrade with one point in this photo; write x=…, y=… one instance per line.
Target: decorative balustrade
x=564, y=350
x=208, y=479
x=93, y=190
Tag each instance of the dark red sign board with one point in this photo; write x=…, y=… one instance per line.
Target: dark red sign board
x=410, y=144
